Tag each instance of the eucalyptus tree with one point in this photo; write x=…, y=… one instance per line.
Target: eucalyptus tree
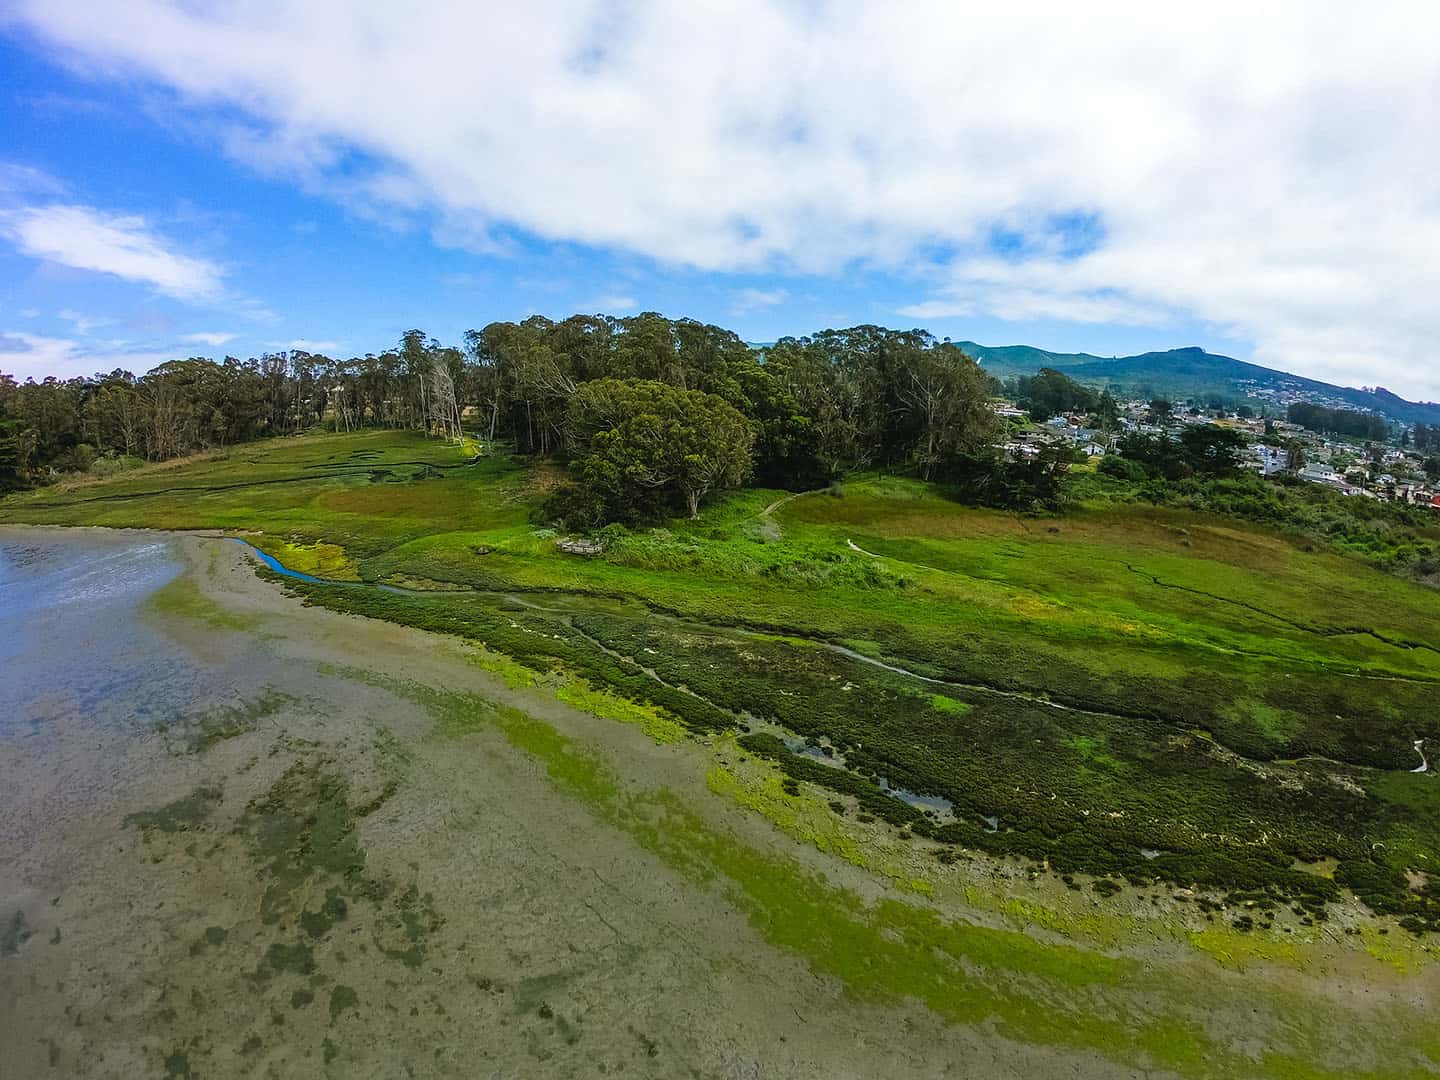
x=948, y=398
x=113, y=414
x=642, y=448
x=534, y=381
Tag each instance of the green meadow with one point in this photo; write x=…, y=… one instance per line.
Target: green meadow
x=1135, y=694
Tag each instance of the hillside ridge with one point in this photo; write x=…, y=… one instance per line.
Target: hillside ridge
x=1192, y=371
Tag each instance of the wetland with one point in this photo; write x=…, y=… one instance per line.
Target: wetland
x=835, y=785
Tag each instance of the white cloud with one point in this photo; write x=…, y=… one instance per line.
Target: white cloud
x=18, y=180
x=84, y=323
x=748, y=300
x=1269, y=169
x=213, y=339
x=305, y=345
x=28, y=356
x=124, y=246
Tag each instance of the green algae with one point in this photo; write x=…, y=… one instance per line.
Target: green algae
x=13, y=934
x=297, y=959
x=181, y=598
x=333, y=909
x=303, y=826
x=181, y=815
x=201, y=731
x=342, y=998
x=304, y=830
x=893, y=950
x=946, y=704
x=213, y=937
x=406, y=924
x=658, y=724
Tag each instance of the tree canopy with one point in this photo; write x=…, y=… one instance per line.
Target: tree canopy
x=1337, y=421
x=1049, y=393
x=642, y=449
x=1203, y=450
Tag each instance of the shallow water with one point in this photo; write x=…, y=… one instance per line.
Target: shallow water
x=74, y=647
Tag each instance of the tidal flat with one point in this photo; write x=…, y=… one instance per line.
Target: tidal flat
x=241, y=836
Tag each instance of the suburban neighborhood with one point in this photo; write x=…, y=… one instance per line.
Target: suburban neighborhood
x=1399, y=469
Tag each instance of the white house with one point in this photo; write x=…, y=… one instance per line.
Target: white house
x=1320, y=474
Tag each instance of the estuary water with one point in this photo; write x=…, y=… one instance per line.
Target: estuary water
x=73, y=647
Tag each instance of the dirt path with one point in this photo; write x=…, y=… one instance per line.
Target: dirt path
x=788, y=498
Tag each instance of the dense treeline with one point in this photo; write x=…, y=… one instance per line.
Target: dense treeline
x=1338, y=421
x=67, y=426
x=1201, y=450
x=818, y=406
x=108, y=421
x=653, y=414
x=1050, y=393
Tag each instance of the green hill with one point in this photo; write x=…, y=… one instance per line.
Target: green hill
x=1193, y=372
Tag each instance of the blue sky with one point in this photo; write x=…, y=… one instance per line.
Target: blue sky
x=203, y=179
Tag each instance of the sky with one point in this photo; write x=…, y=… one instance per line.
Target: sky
x=213, y=177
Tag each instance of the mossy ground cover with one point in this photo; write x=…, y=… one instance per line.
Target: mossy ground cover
x=1235, y=700
x=890, y=950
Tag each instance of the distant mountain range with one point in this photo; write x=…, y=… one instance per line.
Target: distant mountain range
x=1195, y=373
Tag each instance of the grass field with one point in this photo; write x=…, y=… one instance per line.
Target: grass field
x=1135, y=693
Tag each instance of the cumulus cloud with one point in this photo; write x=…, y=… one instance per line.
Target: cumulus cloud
x=123, y=246
x=34, y=356
x=1267, y=169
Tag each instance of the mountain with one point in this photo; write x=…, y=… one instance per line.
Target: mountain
x=1194, y=373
